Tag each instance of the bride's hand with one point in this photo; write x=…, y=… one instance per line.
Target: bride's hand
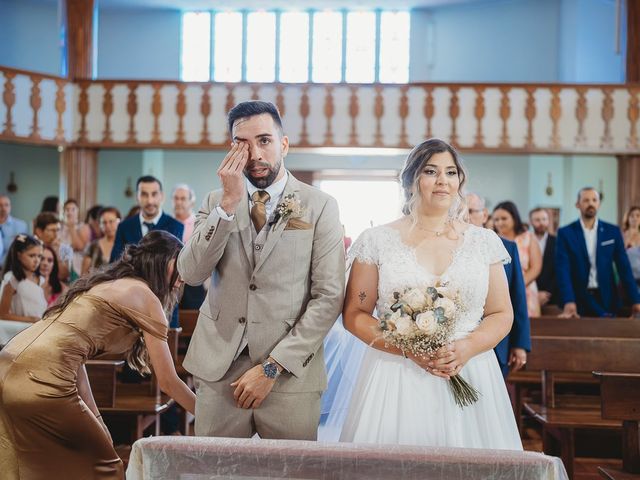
x=451, y=358
x=423, y=362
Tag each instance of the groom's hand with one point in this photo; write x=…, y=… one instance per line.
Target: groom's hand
x=231, y=174
x=252, y=388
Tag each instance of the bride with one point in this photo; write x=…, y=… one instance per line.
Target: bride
x=407, y=400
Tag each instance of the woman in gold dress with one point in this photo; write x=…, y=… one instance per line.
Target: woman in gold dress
x=50, y=426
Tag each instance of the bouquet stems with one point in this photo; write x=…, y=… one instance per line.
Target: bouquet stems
x=463, y=393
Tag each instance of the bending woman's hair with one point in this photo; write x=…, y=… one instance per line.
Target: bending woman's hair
x=148, y=261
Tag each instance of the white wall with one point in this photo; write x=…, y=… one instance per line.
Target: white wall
x=37, y=170
x=588, y=41
x=30, y=36
x=490, y=41
x=139, y=44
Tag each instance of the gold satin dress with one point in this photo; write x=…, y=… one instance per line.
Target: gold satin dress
x=46, y=429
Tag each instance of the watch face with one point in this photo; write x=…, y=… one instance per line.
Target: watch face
x=270, y=370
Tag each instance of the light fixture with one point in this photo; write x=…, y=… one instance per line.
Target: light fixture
x=12, y=187
x=128, y=192
x=549, y=189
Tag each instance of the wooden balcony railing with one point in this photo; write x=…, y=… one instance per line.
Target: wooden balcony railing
x=544, y=118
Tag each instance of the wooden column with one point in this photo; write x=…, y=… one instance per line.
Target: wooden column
x=633, y=41
x=79, y=176
x=628, y=184
x=79, y=166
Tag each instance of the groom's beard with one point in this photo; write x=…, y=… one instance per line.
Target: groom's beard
x=263, y=182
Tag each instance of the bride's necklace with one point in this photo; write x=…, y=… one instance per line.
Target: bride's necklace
x=437, y=233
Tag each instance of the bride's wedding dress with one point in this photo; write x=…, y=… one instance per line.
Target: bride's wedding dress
x=394, y=401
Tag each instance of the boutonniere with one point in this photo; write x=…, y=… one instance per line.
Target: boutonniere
x=289, y=207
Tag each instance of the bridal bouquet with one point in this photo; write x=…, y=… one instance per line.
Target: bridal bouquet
x=422, y=320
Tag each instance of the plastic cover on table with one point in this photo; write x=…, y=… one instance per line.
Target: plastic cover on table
x=200, y=458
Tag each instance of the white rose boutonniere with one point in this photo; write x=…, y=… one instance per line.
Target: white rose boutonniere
x=289, y=207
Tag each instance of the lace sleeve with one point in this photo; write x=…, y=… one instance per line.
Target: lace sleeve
x=495, y=251
x=364, y=249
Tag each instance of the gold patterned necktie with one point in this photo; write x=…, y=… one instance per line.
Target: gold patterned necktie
x=259, y=209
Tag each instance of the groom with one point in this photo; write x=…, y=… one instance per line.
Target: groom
x=274, y=251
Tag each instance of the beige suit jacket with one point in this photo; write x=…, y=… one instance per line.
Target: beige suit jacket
x=288, y=301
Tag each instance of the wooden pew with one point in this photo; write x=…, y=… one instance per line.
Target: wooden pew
x=524, y=381
x=188, y=320
x=620, y=400
x=102, y=378
x=140, y=405
x=560, y=417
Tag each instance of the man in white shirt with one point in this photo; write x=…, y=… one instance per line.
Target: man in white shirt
x=546, y=281
x=184, y=199
x=586, y=252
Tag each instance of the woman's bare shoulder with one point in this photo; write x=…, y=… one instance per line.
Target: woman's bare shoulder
x=131, y=293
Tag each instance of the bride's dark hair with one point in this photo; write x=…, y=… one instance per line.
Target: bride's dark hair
x=147, y=261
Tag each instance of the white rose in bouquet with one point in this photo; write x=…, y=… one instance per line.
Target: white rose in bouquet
x=392, y=320
x=447, y=305
x=404, y=325
x=415, y=298
x=427, y=323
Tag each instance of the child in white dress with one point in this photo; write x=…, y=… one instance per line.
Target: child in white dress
x=22, y=296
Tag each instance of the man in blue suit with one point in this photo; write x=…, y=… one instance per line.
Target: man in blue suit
x=586, y=251
x=512, y=350
x=150, y=197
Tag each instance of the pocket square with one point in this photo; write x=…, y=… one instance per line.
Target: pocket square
x=607, y=242
x=297, y=224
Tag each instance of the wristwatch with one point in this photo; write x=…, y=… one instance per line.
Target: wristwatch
x=270, y=369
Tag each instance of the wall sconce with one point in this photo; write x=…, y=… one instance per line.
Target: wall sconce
x=601, y=189
x=128, y=192
x=12, y=187
x=549, y=189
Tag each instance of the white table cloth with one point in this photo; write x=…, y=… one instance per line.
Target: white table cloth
x=9, y=328
x=199, y=458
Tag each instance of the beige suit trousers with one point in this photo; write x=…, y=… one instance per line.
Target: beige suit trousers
x=283, y=415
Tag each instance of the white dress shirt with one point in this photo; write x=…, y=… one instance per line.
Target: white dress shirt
x=591, y=240
x=543, y=241
x=275, y=191
x=154, y=220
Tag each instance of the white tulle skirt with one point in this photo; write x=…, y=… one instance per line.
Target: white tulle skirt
x=396, y=402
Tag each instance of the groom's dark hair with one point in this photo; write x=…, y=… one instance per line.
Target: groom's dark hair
x=251, y=109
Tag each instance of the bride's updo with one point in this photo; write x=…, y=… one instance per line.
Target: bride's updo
x=414, y=166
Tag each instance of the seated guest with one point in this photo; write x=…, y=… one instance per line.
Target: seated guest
x=47, y=228
x=93, y=221
x=546, y=281
x=586, y=252
x=75, y=233
x=99, y=252
x=133, y=212
x=52, y=287
x=507, y=223
x=634, y=259
x=631, y=227
x=49, y=421
x=22, y=296
x=10, y=227
x=512, y=350
x=184, y=199
x=51, y=204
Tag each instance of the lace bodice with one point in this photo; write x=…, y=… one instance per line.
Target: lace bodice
x=398, y=268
